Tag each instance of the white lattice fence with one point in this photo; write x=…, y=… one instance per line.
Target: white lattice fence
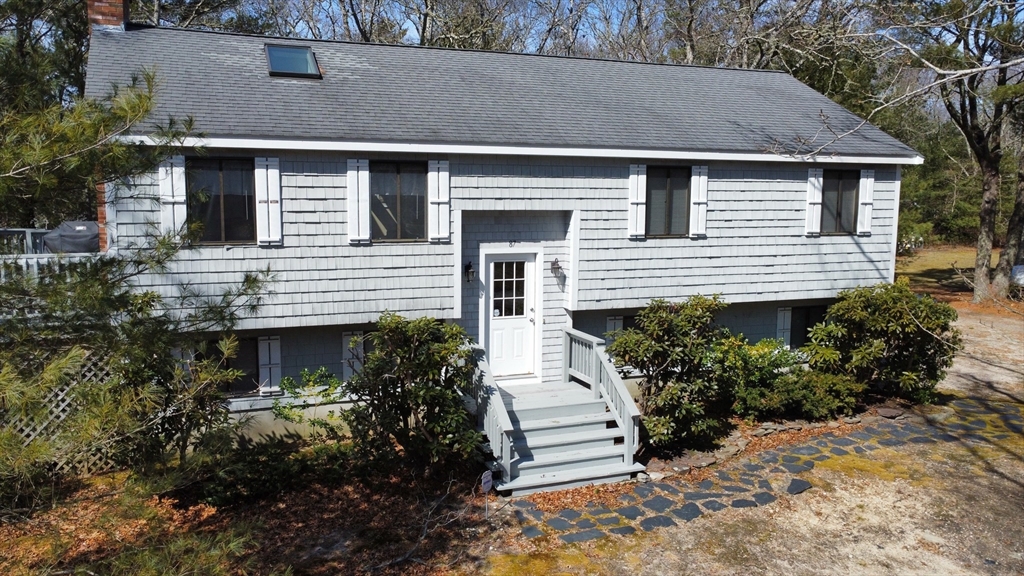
x=59, y=405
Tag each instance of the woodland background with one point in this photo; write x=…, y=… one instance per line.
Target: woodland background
x=944, y=76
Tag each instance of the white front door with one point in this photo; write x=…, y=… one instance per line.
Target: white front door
x=510, y=314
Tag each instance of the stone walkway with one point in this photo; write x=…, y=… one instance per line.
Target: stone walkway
x=762, y=478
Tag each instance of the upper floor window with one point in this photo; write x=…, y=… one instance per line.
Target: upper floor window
x=839, y=190
x=222, y=199
x=297, y=61
x=668, y=201
x=398, y=200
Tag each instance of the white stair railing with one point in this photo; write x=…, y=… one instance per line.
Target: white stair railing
x=584, y=360
x=492, y=415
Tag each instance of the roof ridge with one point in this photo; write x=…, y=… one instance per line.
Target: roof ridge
x=136, y=26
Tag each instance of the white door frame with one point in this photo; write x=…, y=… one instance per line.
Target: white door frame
x=490, y=249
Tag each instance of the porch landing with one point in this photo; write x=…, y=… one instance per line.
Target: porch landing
x=557, y=392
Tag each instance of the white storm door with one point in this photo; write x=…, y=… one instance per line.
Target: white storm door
x=510, y=313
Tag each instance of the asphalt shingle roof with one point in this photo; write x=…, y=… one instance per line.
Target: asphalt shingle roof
x=380, y=93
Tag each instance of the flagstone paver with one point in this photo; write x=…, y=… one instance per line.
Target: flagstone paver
x=659, y=504
x=583, y=536
x=570, y=515
x=665, y=487
x=713, y=505
x=630, y=512
x=688, y=511
x=798, y=486
x=648, y=524
x=761, y=479
x=532, y=532
x=558, y=523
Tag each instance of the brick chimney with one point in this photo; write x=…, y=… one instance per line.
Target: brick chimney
x=108, y=13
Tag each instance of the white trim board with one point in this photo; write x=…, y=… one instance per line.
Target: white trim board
x=895, y=225
x=574, y=264
x=457, y=275
x=412, y=148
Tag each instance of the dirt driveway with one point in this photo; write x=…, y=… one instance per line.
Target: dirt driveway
x=992, y=362
x=952, y=507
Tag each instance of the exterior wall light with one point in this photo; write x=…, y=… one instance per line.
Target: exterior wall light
x=469, y=272
x=556, y=268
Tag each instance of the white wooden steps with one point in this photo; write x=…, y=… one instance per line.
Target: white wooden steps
x=562, y=437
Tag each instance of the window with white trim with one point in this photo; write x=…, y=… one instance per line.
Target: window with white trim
x=839, y=202
x=839, y=191
x=246, y=360
x=795, y=322
x=270, y=365
x=784, y=326
x=232, y=200
x=222, y=199
x=802, y=319
x=259, y=361
x=398, y=201
x=615, y=323
x=667, y=201
x=353, y=350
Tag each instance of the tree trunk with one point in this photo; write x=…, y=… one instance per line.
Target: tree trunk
x=987, y=228
x=1014, y=235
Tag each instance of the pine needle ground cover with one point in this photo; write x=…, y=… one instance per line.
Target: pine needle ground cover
x=385, y=525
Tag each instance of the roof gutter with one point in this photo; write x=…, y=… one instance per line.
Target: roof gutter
x=490, y=150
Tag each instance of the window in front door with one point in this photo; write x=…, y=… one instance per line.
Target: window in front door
x=508, y=289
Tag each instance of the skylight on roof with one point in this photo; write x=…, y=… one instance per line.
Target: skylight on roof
x=296, y=61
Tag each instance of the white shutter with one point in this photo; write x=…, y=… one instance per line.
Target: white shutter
x=268, y=201
x=699, y=201
x=270, y=364
x=439, y=209
x=814, y=184
x=183, y=358
x=784, y=326
x=349, y=356
x=358, y=201
x=637, y=200
x=866, y=200
x=171, y=175
x=613, y=323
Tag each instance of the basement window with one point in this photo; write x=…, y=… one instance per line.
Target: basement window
x=294, y=61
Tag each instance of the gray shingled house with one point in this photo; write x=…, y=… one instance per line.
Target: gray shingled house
x=537, y=201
